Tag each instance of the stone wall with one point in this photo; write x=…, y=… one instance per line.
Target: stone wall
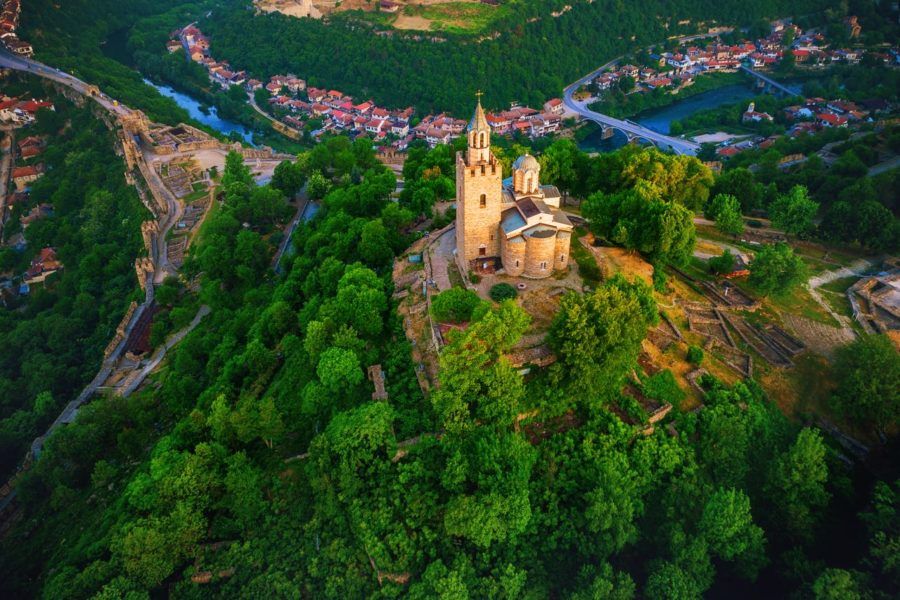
x=143, y=266
x=120, y=330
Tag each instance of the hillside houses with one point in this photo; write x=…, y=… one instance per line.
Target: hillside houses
x=679, y=68
x=42, y=266
x=297, y=104
x=15, y=111
x=9, y=23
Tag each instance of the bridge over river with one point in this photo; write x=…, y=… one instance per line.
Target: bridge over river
x=633, y=131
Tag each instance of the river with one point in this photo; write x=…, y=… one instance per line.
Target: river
x=210, y=118
x=660, y=119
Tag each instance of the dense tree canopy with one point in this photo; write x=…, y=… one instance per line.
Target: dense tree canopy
x=868, y=375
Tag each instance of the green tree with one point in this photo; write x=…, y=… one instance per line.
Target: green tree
x=668, y=581
x=839, y=584
x=797, y=482
x=794, y=212
x=477, y=381
x=597, y=336
x=776, y=269
x=288, y=178
x=723, y=264
x=455, y=305
x=338, y=369
x=741, y=184
x=317, y=186
x=640, y=219
x=728, y=527
x=868, y=374
x=561, y=165
x=725, y=210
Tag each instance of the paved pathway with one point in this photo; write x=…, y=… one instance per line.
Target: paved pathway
x=440, y=254
x=302, y=205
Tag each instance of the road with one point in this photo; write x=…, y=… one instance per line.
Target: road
x=20, y=63
x=167, y=221
x=887, y=165
x=154, y=182
x=303, y=204
x=632, y=130
x=5, y=168
x=284, y=128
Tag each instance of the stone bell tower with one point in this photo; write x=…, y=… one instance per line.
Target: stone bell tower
x=479, y=178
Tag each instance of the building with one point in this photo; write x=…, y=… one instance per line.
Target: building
x=751, y=115
x=513, y=224
x=22, y=176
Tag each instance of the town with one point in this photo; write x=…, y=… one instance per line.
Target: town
x=332, y=111
x=604, y=302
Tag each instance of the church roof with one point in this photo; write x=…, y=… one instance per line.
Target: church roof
x=511, y=220
x=527, y=162
x=479, y=121
x=550, y=191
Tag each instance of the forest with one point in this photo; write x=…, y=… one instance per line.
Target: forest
x=257, y=464
x=398, y=69
x=854, y=207
x=95, y=229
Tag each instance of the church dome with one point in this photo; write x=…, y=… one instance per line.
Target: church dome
x=526, y=163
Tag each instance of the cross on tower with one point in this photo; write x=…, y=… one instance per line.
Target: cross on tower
x=479, y=94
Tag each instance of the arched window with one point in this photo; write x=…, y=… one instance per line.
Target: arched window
x=562, y=258
x=482, y=202
x=481, y=140
x=517, y=262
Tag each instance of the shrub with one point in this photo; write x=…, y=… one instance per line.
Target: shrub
x=503, y=291
x=474, y=277
x=695, y=355
x=664, y=388
x=659, y=279
x=723, y=264
x=588, y=268
x=454, y=305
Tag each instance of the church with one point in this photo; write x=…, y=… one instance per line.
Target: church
x=514, y=224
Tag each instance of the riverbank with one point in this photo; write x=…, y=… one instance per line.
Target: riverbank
x=207, y=115
x=629, y=106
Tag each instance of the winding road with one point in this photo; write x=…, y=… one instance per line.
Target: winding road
x=163, y=196
x=630, y=129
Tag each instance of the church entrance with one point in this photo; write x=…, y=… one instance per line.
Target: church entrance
x=486, y=266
